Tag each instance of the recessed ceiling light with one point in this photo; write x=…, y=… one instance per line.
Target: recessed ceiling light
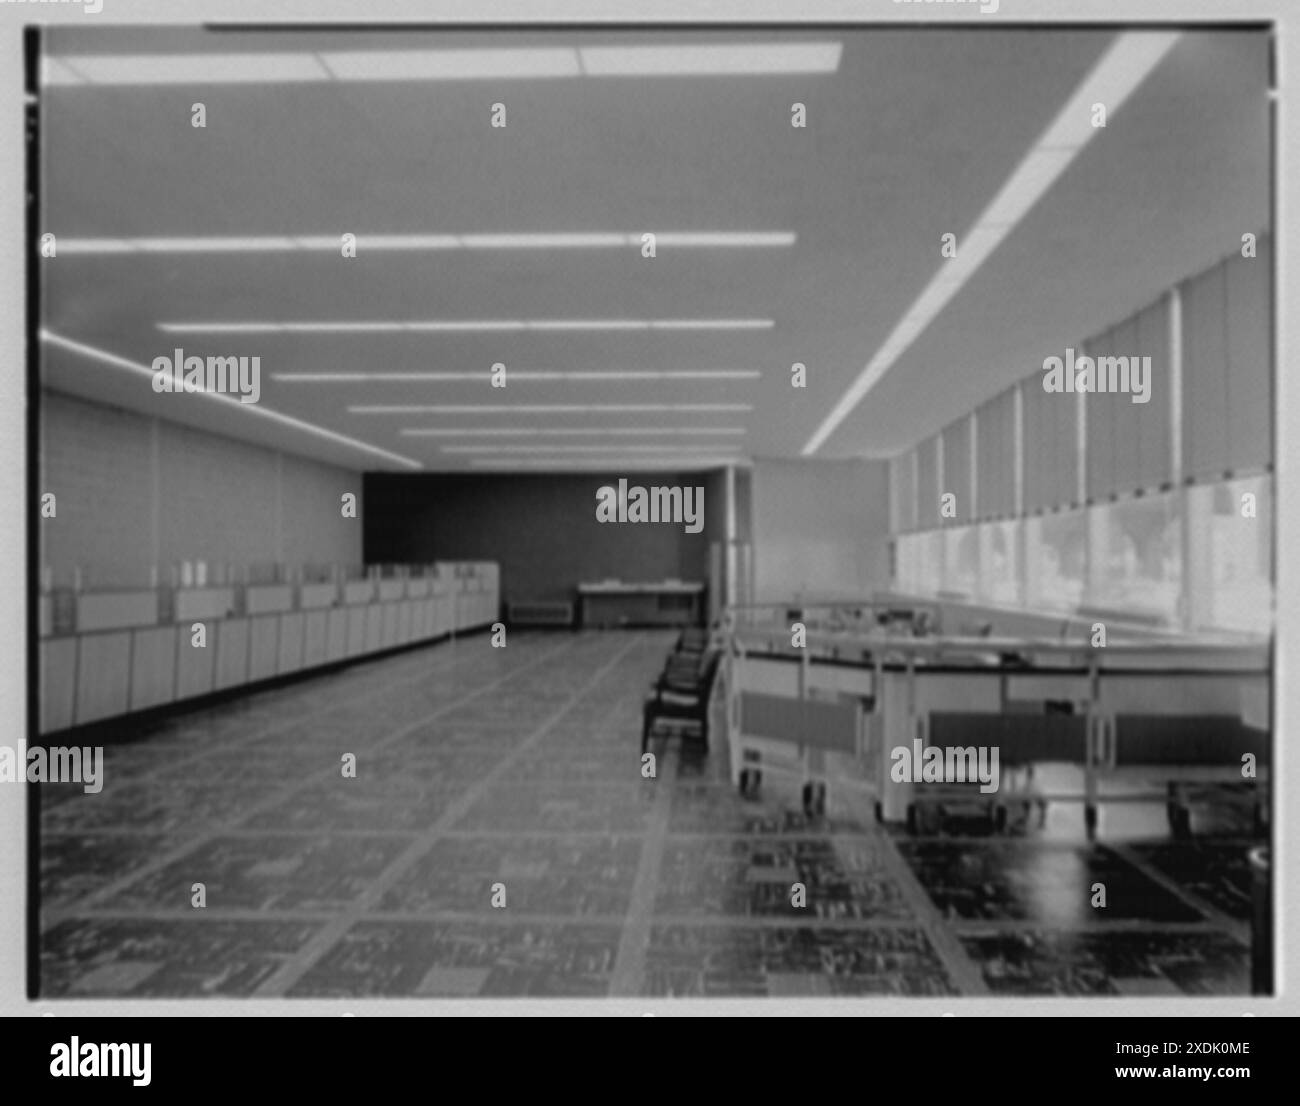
x=385, y=243
x=450, y=65
x=641, y=374
x=565, y=432
x=452, y=325
x=516, y=375
x=388, y=378
x=54, y=72
x=597, y=240
x=185, y=69
x=539, y=408
x=711, y=324
x=623, y=447
x=720, y=239
x=252, y=410
x=676, y=462
x=711, y=60
x=757, y=59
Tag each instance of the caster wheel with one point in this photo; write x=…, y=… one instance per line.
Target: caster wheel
x=1090, y=822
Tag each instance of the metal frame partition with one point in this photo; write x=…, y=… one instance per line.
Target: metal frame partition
x=1184, y=713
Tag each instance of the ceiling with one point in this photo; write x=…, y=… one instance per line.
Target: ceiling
x=909, y=137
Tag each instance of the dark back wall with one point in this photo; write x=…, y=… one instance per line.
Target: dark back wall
x=541, y=528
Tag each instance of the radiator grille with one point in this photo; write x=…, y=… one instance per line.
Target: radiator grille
x=540, y=614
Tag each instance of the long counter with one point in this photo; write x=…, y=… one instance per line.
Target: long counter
x=121, y=659
x=647, y=603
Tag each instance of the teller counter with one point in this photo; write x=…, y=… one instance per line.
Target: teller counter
x=121, y=657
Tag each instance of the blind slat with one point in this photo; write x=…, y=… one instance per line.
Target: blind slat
x=1125, y=429
x=1100, y=447
x=1205, y=392
x=956, y=468
x=1155, y=465
x=927, y=499
x=1249, y=375
x=903, y=501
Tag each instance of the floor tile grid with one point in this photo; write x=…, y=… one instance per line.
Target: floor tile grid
x=1214, y=918
x=190, y=844
x=1209, y=928
x=321, y=943
x=385, y=683
x=588, y=731
x=710, y=777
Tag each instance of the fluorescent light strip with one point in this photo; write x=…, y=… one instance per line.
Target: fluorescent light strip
x=568, y=432
x=534, y=63
x=516, y=375
x=640, y=374
x=374, y=243
x=366, y=378
x=540, y=408
x=255, y=410
x=187, y=69
x=638, y=464
x=1119, y=71
x=716, y=60
x=624, y=448
x=711, y=324
x=450, y=65
x=461, y=325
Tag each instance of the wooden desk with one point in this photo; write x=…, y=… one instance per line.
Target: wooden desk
x=617, y=603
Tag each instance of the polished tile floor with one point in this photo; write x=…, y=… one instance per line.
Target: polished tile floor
x=515, y=772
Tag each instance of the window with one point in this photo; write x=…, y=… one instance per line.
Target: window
x=1230, y=552
x=1055, y=549
x=999, y=580
x=905, y=577
x=1135, y=556
x=961, y=561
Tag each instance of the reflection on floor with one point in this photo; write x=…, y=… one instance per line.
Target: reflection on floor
x=514, y=774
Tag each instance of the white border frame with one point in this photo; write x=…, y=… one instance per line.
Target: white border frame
x=13, y=646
